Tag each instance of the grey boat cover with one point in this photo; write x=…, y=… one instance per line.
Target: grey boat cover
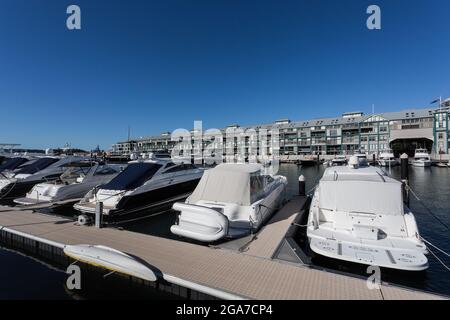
x=12, y=163
x=36, y=166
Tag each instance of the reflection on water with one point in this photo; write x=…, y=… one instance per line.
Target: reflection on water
x=29, y=279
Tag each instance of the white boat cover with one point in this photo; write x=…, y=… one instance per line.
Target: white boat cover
x=359, y=196
x=229, y=183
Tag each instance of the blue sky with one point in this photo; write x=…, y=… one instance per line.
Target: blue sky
x=160, y=65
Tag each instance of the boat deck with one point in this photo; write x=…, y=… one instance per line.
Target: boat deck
x=251, y=274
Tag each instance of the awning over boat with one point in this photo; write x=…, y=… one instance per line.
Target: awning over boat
x=135, y=175
x=358, y=196
x=230, y=183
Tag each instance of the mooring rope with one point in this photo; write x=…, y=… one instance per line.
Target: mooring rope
x=437, y=248
x=427, y=209
x=300, y=225
x=439, y=260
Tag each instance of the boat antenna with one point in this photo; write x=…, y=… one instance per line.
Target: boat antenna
x=129, y=132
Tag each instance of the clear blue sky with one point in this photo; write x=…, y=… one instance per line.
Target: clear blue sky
x=160, y=65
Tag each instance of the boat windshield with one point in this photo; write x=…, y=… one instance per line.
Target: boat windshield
x=12, y=163
x=135, y=175
x=36, y=166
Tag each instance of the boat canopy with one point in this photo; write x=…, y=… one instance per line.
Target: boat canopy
x=12, y=163
x=36, y=166
x=362, y=196
x=230, y=183
x=135, y=175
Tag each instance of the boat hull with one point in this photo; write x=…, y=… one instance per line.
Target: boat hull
x=388, y=163
x=15, y=190
x=421, y=163
x=357, y=252
x=155, y=200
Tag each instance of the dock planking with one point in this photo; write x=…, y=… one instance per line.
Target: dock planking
x=251, y=275
x=268, y=239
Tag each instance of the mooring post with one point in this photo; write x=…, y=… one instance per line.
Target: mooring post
x=405, y=176
x=373, y=159
x=318, y=158
x=301, y=186
x=98, y=214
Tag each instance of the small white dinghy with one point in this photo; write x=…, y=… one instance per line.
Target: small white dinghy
x=230, y=201
x=111, y=259
x=357, y=214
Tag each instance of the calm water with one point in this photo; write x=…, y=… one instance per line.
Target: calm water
x=26, y=278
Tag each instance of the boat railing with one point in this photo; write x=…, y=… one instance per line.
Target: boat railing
x=381, y=176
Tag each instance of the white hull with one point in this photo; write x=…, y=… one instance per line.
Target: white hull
x=358, y=215
x=111, y=259
x=388, y=163
x=419, y=163
x=391, y=253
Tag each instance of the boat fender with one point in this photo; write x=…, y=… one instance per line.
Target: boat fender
x=84, y=220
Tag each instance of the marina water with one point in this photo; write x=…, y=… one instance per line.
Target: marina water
x=27, y=278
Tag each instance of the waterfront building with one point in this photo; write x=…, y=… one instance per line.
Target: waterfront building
x=402, y=131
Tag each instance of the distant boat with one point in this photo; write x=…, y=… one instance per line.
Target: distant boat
x=357, y=214
x=230, y=201
x=339, y=160
x=308, y=161
x=387, y=159
x=362, y=159
x=421, y=158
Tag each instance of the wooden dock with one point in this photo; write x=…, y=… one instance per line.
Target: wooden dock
x=250, y=274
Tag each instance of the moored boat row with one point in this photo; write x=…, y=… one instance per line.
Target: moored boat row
x=357, y=212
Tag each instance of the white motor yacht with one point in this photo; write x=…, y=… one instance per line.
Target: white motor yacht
x=357, y=214
x=150, y=185
x=230, y=201
x=16, y=183
x=421, y=158
x=387, y=159
x=78, y=179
